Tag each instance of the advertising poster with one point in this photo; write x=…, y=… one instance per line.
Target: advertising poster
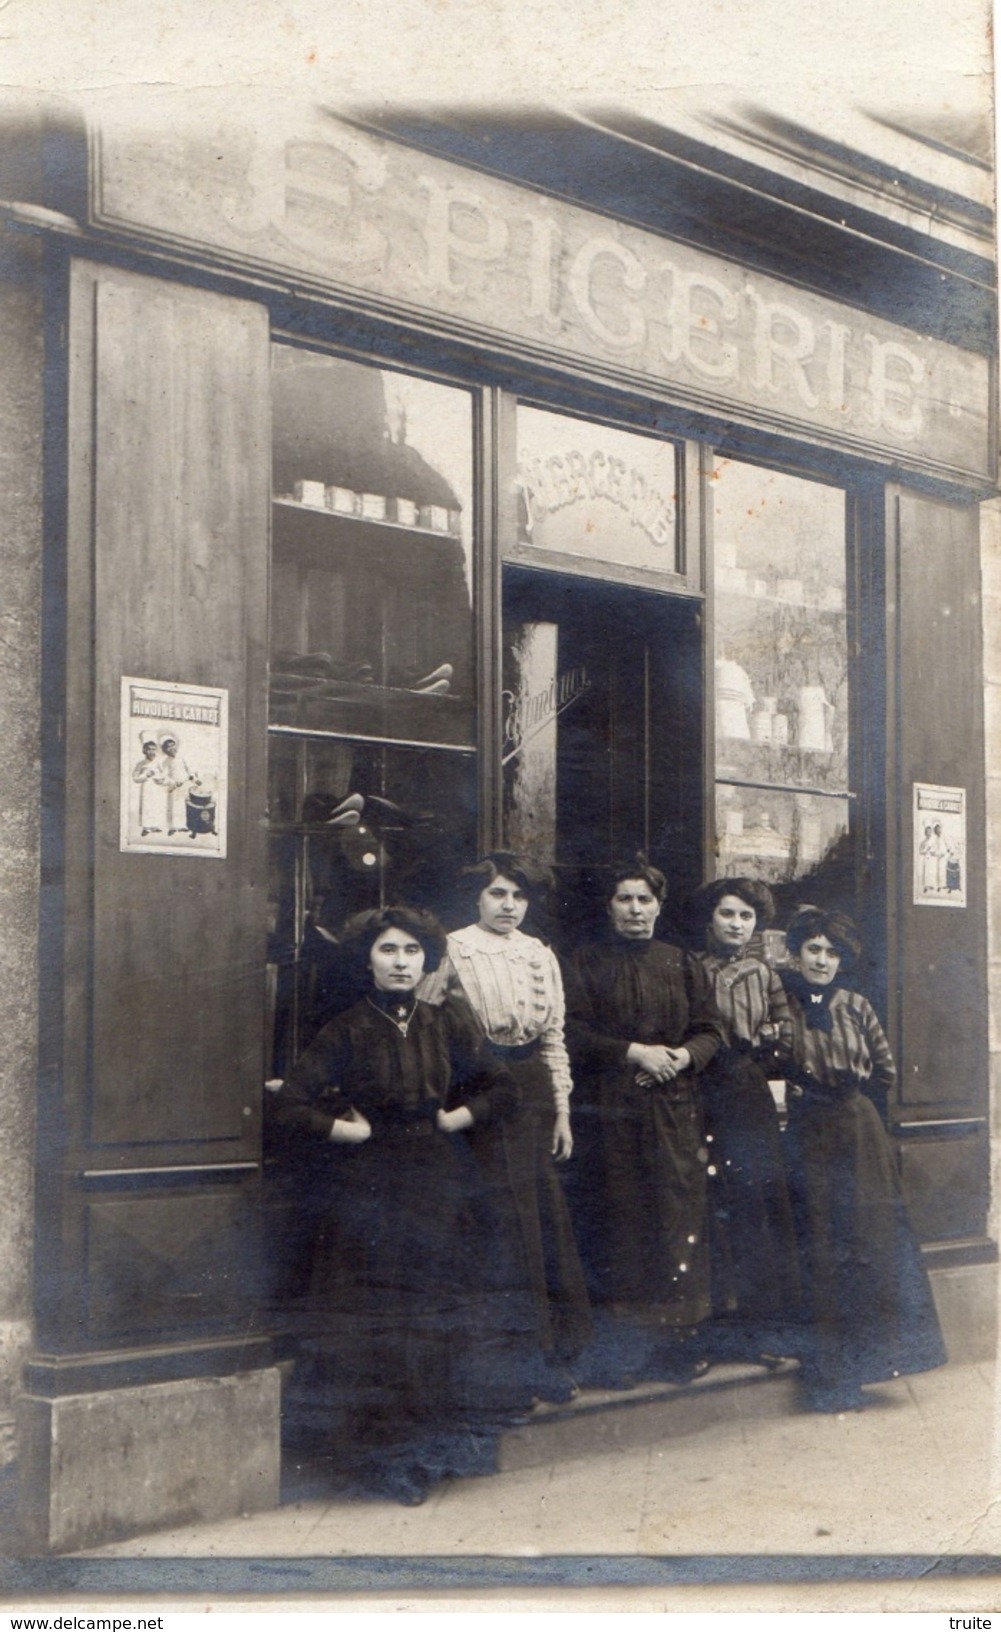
x=174, y=749
x=939, y=846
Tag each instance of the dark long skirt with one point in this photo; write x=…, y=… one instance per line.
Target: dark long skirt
x=395, y=1351
x=516, y=1162
x=755, y=1265
x=867, y=1301
x=639, y=1198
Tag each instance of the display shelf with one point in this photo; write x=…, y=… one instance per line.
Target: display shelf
x=788, y=765
x=385, y=713
x=372, y=633
x=388, y=526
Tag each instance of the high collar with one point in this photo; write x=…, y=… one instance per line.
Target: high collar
x=815, y=1001
x=727, y=954
x=638, y=948
x=474, y=937
x=398, y=1005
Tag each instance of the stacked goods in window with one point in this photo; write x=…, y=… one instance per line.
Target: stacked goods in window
x=371, y=623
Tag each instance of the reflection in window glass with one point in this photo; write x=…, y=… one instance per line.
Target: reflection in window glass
x=596, y=494
x=372, y=773
x=777, y=835
x=371, y=623
x=781, y=672
x=353, y=826
x=781, y=644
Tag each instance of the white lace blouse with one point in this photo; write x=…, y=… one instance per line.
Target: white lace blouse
x=513, y=984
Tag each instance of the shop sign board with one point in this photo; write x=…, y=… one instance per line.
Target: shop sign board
x=174, y=754
x=354, y=214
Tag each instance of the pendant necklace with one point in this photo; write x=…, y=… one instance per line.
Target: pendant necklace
x=400, y=1014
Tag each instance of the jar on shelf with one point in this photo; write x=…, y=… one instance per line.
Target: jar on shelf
x=734, y=700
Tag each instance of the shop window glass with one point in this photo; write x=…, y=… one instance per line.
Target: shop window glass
x=781, y=673
x=371, y=622
x=372, y=771
x=592, y=495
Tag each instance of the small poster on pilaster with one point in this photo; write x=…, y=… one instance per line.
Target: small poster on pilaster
x=174, y=754
x=939, y=846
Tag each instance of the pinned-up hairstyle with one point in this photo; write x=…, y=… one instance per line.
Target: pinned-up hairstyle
x=757, y=895
x=530, y=876
x=636, y=867
x=837, y=927
x=363, y=930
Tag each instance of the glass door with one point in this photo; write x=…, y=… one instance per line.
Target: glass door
x=602, y=726
x=602, y=658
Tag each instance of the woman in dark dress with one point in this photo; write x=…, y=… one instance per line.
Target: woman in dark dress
x=641, y=1027
x=755, y=1269
x=867, y=1298
x=390, y=1383
x=512, y=982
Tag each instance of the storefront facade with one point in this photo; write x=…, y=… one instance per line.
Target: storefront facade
x=395, y=508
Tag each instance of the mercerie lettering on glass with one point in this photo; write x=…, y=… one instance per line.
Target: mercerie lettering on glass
x=564, y=478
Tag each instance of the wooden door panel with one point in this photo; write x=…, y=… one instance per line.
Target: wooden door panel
x=942, y=977
x=181, y=507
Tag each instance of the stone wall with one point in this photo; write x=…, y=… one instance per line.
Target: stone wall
x=990, y=536
x=21, y=387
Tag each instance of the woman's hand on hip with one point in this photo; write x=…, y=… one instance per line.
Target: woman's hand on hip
x=562, y=1146
x=454, y=1121
x=352, y=1129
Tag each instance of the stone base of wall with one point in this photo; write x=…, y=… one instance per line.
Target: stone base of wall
x=966, y=1297
x=97, y=1468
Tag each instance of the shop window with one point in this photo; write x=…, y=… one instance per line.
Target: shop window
x=781, y=674
x=372, y=713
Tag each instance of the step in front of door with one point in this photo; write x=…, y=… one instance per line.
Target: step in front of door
x=596, y=1422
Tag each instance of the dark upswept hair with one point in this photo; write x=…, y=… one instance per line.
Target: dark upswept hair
x=637, y=866
x=530, y=876
x=707, y=898
x=836, y=926
x=363, y=930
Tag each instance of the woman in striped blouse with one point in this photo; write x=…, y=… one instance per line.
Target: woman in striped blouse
x=512, y=983
x=866, y=1294
x=755, y=1274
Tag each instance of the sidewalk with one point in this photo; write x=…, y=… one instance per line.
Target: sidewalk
x=727, y=1470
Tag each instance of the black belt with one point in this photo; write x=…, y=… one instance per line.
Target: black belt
x=829, y=1093
x=517, y=1051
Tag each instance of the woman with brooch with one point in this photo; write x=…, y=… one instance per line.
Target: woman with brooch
x=642, y=1029
x=513, y=985
x=755, y=1270
x=867, y=1300
x=390, y=1384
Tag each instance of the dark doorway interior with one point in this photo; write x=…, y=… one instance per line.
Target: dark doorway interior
x=603, y=698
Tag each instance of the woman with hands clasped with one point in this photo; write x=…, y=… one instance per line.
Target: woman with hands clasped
x=389, y=1386
x=641, y=1027
x=513, y=985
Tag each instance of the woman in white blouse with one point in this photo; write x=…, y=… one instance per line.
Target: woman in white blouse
x=513, y=984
